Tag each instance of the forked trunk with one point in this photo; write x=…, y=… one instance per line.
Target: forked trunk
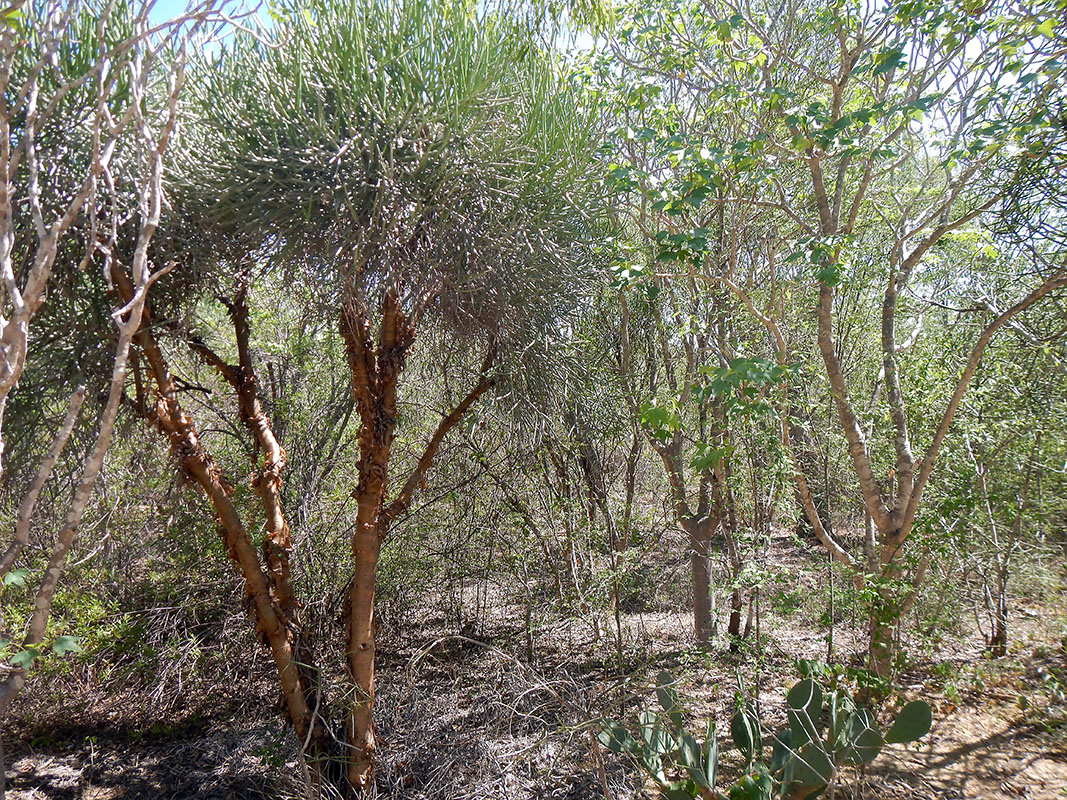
x=268, y=592
x=375, y=375
x=376, y=369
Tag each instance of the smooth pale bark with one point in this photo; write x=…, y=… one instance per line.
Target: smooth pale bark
x=14, y=681
x=700, y=539
x=25, y=175
x=29, y=500
x=893, y=527
x=847, y=419
x=700, y=514
x=127, y=317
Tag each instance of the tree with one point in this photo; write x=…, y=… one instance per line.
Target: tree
x=85, y=131
x=428, y=175
x=673, y=334
x=859, y=138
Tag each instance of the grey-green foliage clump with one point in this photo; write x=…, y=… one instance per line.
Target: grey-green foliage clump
x=423, y=144
x=826, y=731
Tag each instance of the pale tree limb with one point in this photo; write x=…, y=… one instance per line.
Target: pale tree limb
x=824, y=536
x=127, y=319
x=44, y=471
x=1056, y=281
x=905, y=461
x=857, y=443
x=14, y=681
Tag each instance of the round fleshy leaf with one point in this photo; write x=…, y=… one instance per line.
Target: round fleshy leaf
x=913, y=722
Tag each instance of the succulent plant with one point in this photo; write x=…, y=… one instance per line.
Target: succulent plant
x=826, y=730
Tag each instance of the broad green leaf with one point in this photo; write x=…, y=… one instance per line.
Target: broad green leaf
x=65, y=644
x=691, y=758
x=24, y=658
x=781, y=752
x=17, y=577
x=744, y=728
x=913, y=722
x=806, y=696
x=888, y=60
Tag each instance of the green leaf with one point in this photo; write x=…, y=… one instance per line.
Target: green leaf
x=1047, y=28
x=913, y=722
x=660, y=741
x=744, y=728
x=757, y=786
x=830, y=275
x=12, y=18
x=17, y=577
x=811, y=767
x=691, y=758
x=616, y=738
x=780, y=754
x=647, y=721
x=65, y=644
x=653, y=765
x=861, y=739
x=806, y=696
x=864, y=748
x=665, y=693
x=841, y=707
x=888, y=60
x=708, y=457
x=711, y=755
x=24, y=658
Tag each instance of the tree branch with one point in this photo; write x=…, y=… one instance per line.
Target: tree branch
x=417, y=478
x=1056, y=281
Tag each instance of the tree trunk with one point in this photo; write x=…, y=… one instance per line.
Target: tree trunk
x=268, y=592
x=887, y=605
x=998, y=639
x=375, y=375
x=376, y=369
x=882, y=647
x=366, y=545
x=733, y=556
x=700, y=534
x=736, y=606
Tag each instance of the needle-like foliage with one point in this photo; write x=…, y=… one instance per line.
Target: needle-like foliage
x=414, y=144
